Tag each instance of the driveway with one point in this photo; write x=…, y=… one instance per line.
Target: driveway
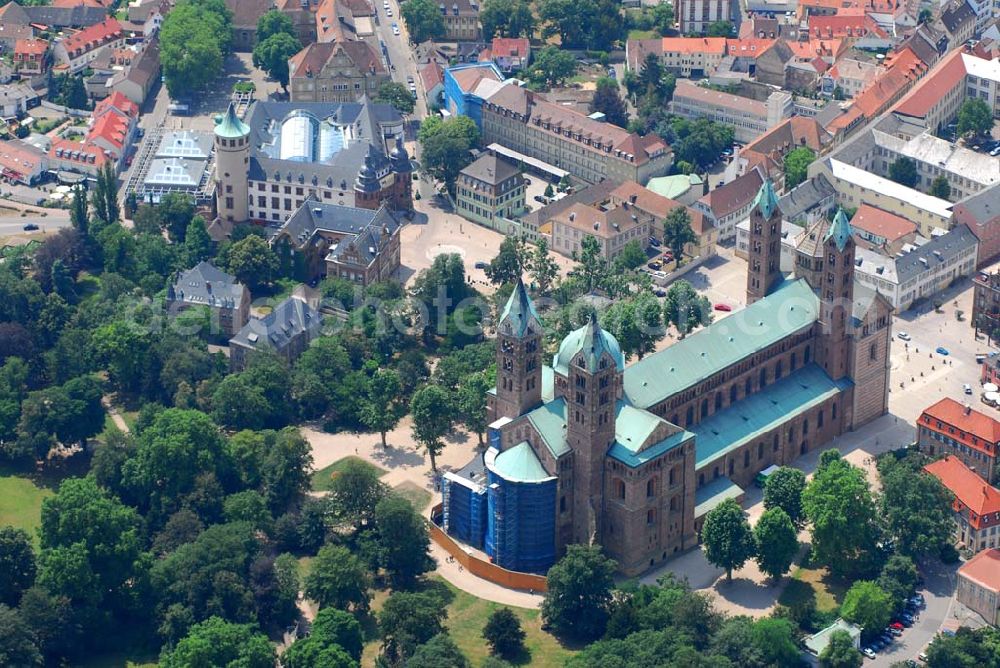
x=938, y=591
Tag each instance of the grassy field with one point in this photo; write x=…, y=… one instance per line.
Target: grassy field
x=418, y=497
x=21, y=503
x=643, y=34
x=813, y=583
x=321, y=479
x=467, y=615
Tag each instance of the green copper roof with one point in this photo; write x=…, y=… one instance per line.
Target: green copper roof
x=792, y=307
x=633, y=431
x=229, y=126
x=519, y=316
x=594, y=342
x=766, y=199
x=673, y=187
x=520, y=464
x=763, y=411
x=840, y=231
x=711, y=495
x=549, y=420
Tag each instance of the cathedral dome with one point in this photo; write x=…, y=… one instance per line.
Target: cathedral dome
x=593, y=342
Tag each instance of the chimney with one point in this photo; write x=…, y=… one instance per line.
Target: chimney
x=968, y=409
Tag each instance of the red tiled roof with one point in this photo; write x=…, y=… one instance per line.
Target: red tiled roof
x=431, y=75
x=953, y=413
x=734, y=195
x=948, y=74
x=510, y=47
x=789, y=134
x=117, y=101
x=971, y=492
x=93, y=36
x=882, y=223
x=874, y=99
x=748, y=47
x=983, y=569
x=716, y=45
x=82, y=151
x=112, y=128
x=19, y=157
x=844, y=25
x=31, y=47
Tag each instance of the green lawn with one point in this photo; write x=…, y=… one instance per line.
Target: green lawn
x=813, y=583
x=21, y=503
x=321, y=479
x=467, y=615
x=418, y=497
x=643, y=34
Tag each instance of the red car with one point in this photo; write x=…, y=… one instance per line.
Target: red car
x=723, y=307
x=896, y=625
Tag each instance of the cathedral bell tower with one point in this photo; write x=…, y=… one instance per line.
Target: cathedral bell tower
x=519, y=357
x=764, y=250
x=836, y=296
x=594, y=365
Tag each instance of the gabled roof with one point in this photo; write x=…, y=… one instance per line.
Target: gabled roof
x=246, y=13
x=953, y=413
x=882, y=223
x=311, y=60
x=635, y=436
x=31, y=47
x=116, y=102
x=983, y=569
x=13, y=14
x=791, y=308
x=431, y=75
x=510, y=47
x=207, y=285
x=734, y=195
x=968, y=487
x=919, y=101
x=93, y=36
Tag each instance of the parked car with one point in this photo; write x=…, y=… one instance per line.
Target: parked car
x=907, y=620
x=869, y=652
x=655, y=264
x=409, y=80
x=723, y=307
x=659, y=292
x=922, y=656
x=895, y=632
x=918, y=599
x=395, y=29
x=30, y=227
x=896, y=625
x=941, y=350
x=481, y=265
x=654, y=242
x=388, y=11
x=903, y=336
x=966, y=388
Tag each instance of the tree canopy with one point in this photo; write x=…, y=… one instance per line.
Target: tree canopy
x=423, y=20
x=578, y=599
x=796, y=163
x=728, y=539
x=975, y=118
x=194, y=40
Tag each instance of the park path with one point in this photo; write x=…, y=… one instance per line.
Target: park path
x=115, y=415
x=404, y=462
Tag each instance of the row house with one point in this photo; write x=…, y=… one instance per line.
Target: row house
x=76, y=51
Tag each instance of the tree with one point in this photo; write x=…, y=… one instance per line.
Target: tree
x=383, y=408
x=899, y=579
x=338, y=579
x=975, y=118
x=904, y=171
x=608, y=101
x=17, y=563
x=216, y=642
x=506, y=18
x=396, y=94
x=273, y=53
x=840, y=652
x=194, y=39
x=578, y=598
x=423, y=20
x=542, y=267
x=252, y=261
x=78, y=212
x=446, y=145
x=72, y=92
x=176, y=212
x=509, y=263
x=308, y=653
x=551, y=67
x=470, y=401
x=431, y=410
x=663, y=18
x=796, y=164
x=916, y=508
x=408, y=620
x=774, y=638
x=636, y=323
x=273, y=22
x=582, y=24
x=632, y=256
x=776, y=541
x=685, y=309
x=355, y=492
x=440, y=650
x=940, y=187
x=721, y=29
x=783, y=489
x=336, y=641
x=839, y=505
x=18, y=648
x=70, y=414
x=402, y=542
x=503, y=633
x=677, y=232
x=727, y=537
x=866, y=605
